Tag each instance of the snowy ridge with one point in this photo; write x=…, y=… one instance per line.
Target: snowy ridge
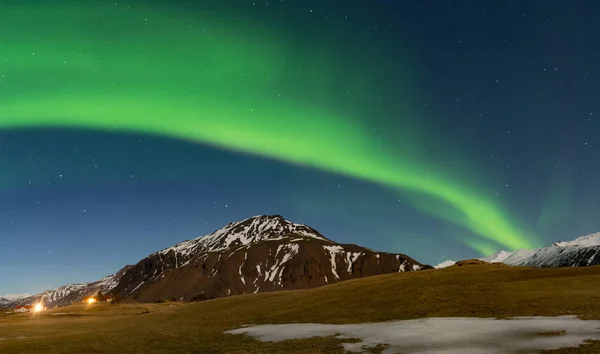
x=497, y=257
x=554, y=256
x=242, y=233
x=8, y=299
x=103, y=285
x=12, y=297
x=67, y=294
x=583, y=241
x=583, y=251
x=445, y=264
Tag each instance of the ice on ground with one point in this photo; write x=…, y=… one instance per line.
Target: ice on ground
x=445, y=335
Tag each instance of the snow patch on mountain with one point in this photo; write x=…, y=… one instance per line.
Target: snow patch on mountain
x=445, y=264
x=290, y=250
x=497, y=257
x=351, y=257
x=333, y=251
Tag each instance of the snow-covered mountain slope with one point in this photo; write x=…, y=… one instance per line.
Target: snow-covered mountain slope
x=583, y=251
x=65, y=295
x=258, y=254
x=497, y=257
x=583, y=241
x=445, y=264
x=7, y=300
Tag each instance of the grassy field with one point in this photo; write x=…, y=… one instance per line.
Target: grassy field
x=470, y=291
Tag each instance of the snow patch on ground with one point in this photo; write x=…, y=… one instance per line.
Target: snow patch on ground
x=442, y=335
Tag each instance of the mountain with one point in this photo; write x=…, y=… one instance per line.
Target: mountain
x=65, y=295
x=6, y=300
x=258, y=254
x=583, y=251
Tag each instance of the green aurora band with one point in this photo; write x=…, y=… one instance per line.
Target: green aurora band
x=150, y=71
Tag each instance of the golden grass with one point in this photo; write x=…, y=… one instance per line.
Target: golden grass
x=482, y=291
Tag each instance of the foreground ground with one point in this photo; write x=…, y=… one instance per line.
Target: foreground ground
x=470, y=291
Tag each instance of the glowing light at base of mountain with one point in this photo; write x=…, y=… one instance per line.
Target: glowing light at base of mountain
x=39, y=307
x=91, y=300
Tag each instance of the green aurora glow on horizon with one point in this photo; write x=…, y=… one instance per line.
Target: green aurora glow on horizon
x=221, y=84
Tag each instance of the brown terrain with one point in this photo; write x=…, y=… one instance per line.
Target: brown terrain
x=475, y=290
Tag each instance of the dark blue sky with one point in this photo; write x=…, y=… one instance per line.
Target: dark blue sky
x=508, y=88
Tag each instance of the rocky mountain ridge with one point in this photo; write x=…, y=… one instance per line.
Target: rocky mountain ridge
x=258, y=254
x=66, y=295
x=262, y=253
x=581, y=252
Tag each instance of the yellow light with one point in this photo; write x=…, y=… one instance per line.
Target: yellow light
x=91, y=300
x=38, y=307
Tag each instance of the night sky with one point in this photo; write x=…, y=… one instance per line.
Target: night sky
x=439, y=129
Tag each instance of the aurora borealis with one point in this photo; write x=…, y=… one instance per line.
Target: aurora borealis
x=345, y=98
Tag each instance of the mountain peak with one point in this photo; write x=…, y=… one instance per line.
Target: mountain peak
x=244, y=233
x=583, y=241
x=256, y=229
